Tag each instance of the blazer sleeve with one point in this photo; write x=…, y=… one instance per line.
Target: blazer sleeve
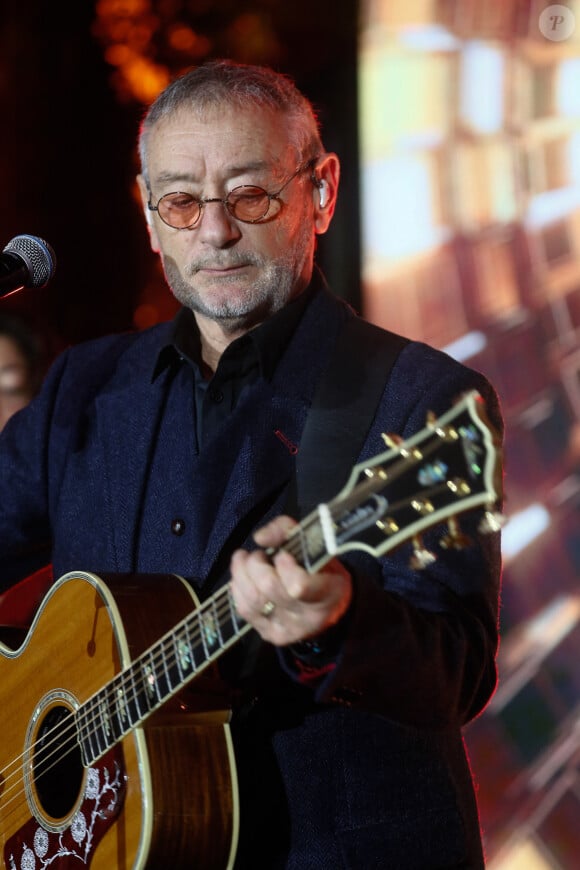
x=419, y=647
x=25, y=444
x=34, y=448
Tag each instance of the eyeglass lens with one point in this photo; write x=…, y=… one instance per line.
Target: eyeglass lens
x=247, y=203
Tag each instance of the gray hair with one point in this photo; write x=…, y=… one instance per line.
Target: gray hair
x=224, y=82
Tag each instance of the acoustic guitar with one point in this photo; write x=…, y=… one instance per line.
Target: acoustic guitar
x=109, y=758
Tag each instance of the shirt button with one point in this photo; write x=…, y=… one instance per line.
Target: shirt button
x=178, y=526
x=216, y=396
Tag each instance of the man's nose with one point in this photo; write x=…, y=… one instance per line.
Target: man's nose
x=216, y=225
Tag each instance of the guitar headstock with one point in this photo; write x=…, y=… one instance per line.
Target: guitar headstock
x=450, y=467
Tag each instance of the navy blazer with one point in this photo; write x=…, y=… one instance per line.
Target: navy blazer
x=367, y=767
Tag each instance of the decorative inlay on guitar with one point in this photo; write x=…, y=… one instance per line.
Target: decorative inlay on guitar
x=105, y=761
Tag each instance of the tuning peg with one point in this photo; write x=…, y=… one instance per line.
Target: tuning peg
x=391, y=440
x=432, y=423
x=422, y=557
x=388, y=526
x=492, y=521
x=395, y=442
x=455, y=539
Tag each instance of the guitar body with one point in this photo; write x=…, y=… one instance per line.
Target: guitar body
x=165, y=794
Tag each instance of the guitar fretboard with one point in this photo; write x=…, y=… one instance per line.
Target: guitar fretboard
x=157, y=674
x=178, y=657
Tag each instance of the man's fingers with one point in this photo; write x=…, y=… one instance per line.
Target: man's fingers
x=274, y=534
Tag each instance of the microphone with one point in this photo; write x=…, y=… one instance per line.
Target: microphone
x=26, y=261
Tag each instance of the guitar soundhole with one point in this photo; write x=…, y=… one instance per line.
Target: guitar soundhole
x=57, y=765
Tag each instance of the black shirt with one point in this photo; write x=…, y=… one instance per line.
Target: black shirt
x=247, y=358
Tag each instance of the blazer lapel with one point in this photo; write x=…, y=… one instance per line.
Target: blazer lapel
x=244, y=491
x=128, y=417
x=264, y=435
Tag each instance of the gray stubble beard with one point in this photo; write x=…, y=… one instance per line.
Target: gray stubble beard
x=275, y=286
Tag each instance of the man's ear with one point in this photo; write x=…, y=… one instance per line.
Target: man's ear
x=148, y=214
x=325, y=177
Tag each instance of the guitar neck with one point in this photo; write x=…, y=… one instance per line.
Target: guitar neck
x=179, y=656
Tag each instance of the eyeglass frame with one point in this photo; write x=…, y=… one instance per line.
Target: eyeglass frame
x=202, y=201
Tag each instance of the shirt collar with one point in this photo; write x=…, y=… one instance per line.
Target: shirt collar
x=266, y=342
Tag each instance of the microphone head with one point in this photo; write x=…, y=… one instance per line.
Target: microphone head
x=38, y=257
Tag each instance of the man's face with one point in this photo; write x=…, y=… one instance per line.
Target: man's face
x=228, y=271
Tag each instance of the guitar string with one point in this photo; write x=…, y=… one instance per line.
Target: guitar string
x=66, y=740
x=126, y=678
x=124, y=681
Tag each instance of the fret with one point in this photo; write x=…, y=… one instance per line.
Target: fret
x=194, y=641
x=171, y=665
x=105, y=717
x=84, y=721
x=82, y=736
x=80, y=720
x=94, y=727
x=110, y=695
x=97, y=731
x=183, y=653
x=202, y=635
x=124, y=703
x=153, y=679
x=229, y=625
x=133, y=707
x=236, y=621
x=197, y=647
x=217, y=622
x=210, y=633
x=96, y=740
x=312, y=542
x=118, y=704
x=163, y=685
x=151, y=695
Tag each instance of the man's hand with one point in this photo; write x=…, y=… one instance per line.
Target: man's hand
x=281, y=600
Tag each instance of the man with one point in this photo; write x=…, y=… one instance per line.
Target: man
x=164, y=452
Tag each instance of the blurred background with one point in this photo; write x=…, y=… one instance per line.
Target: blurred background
x=458, y=126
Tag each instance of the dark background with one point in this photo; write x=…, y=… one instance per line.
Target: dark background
x=67, y=152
